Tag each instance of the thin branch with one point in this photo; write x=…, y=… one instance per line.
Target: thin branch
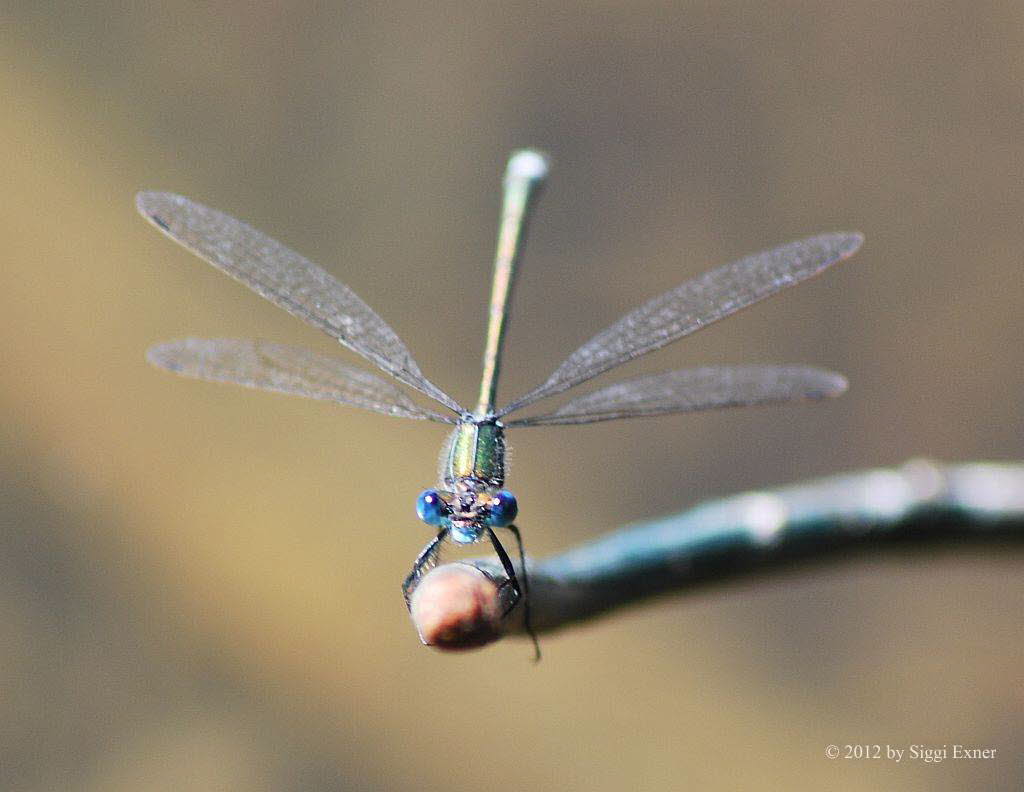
x=918, y=506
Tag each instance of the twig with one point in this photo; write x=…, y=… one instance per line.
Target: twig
x=919, y=505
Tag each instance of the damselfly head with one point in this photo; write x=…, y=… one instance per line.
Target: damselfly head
x=469, y=511
x=433, y=508
x=502, y=509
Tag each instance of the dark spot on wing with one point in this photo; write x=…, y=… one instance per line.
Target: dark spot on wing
x=160, y=222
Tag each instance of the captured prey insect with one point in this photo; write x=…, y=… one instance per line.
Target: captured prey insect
x=470, y=501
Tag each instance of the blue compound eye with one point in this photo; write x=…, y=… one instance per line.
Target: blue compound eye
x=503, y=509
x=431, y=508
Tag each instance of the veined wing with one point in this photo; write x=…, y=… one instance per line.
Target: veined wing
x=688, y=390
x=288, y=280
x=273, y=367
x=693, y=305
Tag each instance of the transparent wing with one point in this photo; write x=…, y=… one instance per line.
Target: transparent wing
x=273, y=367
x=694, y=305
x=288, y=280
x=688, y=390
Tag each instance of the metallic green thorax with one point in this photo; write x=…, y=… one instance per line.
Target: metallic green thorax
x=476, y=451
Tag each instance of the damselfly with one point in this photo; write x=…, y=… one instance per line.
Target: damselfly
x=470, y=501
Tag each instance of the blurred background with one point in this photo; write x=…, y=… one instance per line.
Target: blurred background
x=199, y=585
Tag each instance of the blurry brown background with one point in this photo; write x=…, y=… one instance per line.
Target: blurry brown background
x=199, y=584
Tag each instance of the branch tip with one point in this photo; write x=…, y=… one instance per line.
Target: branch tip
x=457, y=606
x=916, y=507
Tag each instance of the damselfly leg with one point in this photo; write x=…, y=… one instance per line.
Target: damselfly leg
x=511, y=579
x=424, y=562
x=527, y=625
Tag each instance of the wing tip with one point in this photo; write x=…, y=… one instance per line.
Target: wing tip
x=145, y=199
x=838, y=245
x=832, y=385
x=169, y=355
x=849, y=242
x=841, y=386
x=159, y=355
x=149, y=204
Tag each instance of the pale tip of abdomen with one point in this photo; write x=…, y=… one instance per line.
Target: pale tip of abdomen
x=528, y=164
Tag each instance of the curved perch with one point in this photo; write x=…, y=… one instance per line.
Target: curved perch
x=920, y=505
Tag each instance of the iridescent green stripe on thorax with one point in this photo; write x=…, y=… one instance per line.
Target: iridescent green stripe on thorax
x=477, y=451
